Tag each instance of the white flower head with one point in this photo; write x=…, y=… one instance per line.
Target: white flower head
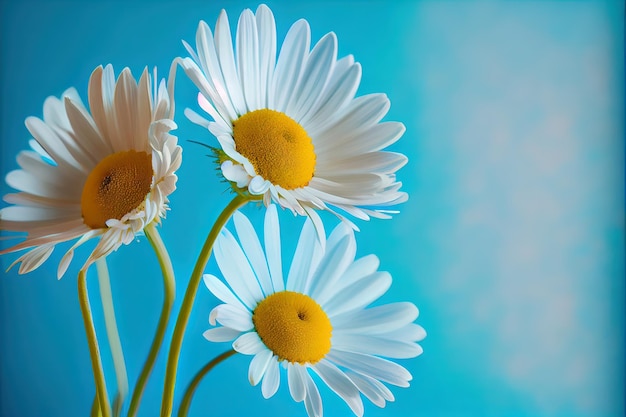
x=318, y=321
x=290, y=127
x=101, y=173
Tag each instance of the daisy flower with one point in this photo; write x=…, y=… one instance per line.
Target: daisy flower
x=317, y=322
x=105, y=174
x=290, y=128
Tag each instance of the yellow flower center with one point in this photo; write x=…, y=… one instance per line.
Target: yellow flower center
x=277, y=146
x=116, y=186
x=293, y=326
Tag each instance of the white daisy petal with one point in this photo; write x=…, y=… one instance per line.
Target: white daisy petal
x=291, y=59
x=50, y=187
x=221, y=291
x=305, y=260
x=371, y=345
x=373, y=389
x=340, y=255
x=52, y=144
x=231, y=316
x=340, y=88
x=330, y=268
x=271, y=380
x=296, y=382
x=383, y=162
x=97, y=103
x=258, y=185
x=272, y=248
x=253, y=250
x=340, y=384
x=194, y=73
x=36, y=147
x=109, y=243
x=107, y=90
x=379, y=319
x=220, y=129
x=84, y=127
x=221, y=334
x=360, y=268
x=47, y=232
x=374, y=139
x=53, y=110
x=67, y=258
x=142, y=113
x=196, y=118
x=125, y=98
x=189, y=49
x=378, y=368
x=258, y=365
x=303, y=194
x=235, y=173
x=312, y=400
x=287, y=199
x=65, y=263
x=208, y=107
x=411, y=333
x=35, y=165
x=248, y=344
x=207, y=58
x=32, y=259
x=267, y=50
x=318, y=225
x=248, y=59
x=314, y=75
x=163, y=101
x=223, y=46
x=362, y=112
x=237, y=271
x=359, y=294
x=381, y=136
x=250, y=170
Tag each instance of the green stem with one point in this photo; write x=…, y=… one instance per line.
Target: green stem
x=95, y=407
x=113, y=336
x=191, y=389
x=169, y=285
x=190, y=295
x=92, y=341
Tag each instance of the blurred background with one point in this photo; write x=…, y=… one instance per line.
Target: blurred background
x=511, y=244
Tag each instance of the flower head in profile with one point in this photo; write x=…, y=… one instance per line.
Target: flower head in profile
x=101, y=173
x=289, y=125
x=317, y=322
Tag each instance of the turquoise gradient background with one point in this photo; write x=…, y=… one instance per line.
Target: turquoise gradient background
x=511, y=244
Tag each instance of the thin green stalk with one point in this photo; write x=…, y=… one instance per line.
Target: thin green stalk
x=113, y=336
x=95, y=407
x=169, y=285
x=187, y=304
x=191, y=389
x=92, y=341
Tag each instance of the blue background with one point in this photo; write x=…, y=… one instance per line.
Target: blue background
x=511, y=244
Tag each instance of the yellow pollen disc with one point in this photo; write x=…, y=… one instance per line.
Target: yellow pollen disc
x=293, y=326
x=277, y=146
x=116, y=186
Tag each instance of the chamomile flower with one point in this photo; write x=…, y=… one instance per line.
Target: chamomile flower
x=317, y=322
x=290, y=128
x=101, y=173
